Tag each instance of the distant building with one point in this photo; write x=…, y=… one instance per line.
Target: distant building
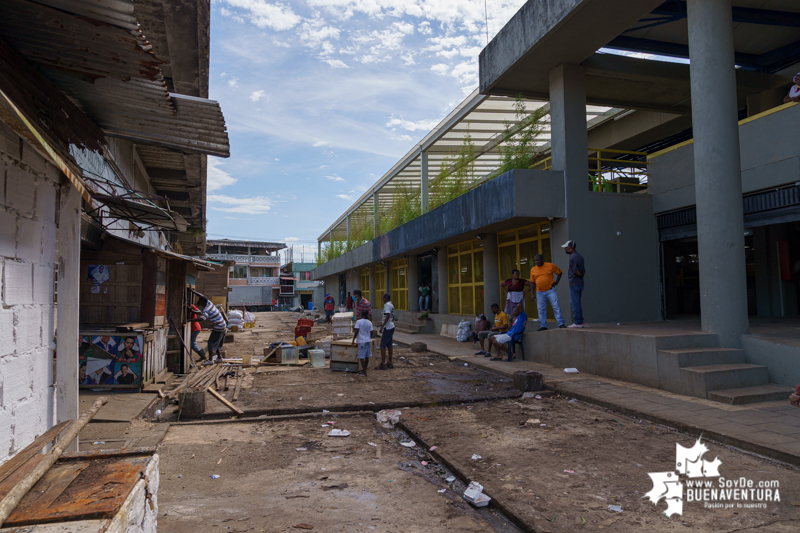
x=296, y=284
x=253, y=277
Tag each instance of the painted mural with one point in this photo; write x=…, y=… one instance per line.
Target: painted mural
x=110, y=361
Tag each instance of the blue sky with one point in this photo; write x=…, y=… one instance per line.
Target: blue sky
x=322, y=97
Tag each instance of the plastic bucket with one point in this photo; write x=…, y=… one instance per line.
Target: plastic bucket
x=310, y=306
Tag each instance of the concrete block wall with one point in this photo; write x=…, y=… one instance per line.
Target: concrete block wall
x=29, y=192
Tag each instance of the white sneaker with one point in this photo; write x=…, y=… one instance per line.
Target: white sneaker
x=576, y=326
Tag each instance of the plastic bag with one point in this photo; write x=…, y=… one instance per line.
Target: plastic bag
x=388, y=417
x=234, y=314
x=463, y=331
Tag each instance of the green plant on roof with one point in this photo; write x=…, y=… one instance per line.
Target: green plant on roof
x=405, y=207
x=520, y=147
x=456, y=175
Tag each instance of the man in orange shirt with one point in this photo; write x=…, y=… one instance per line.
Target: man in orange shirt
x=542, y=278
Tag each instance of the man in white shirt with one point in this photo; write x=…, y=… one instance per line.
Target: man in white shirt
x=362, y=334
x=387, y=332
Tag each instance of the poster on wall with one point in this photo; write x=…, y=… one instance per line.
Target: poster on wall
x=97, y=274
x=110, y=360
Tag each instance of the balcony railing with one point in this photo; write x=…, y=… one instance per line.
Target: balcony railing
x=244, y=258
x=263, y=281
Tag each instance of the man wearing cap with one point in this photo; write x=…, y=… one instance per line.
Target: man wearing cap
x=575, y=274
x=329, y=303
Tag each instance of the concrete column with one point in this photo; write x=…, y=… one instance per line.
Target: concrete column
x=491, y=275
x=569, y=142
x=412, y=277
x=349, y=226
x=442, y=272
x=319, y=251
x=372, y=284
x=718, y=175
x=423, y=161
x=69, y=261
x=376, y=214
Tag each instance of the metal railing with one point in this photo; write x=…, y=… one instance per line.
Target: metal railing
x=263, y=281
x=244, y=258
x=612, y=170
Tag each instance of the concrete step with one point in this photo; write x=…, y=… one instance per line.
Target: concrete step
x=690, y=340
x=685, y=357
x=405, y=327
x=700, y=380
x=764, y=393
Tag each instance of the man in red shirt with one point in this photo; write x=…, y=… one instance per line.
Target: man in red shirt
x=362, y=304
x=196, y=331
x=329, y=303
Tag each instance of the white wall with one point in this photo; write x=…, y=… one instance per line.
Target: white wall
x=28, y=200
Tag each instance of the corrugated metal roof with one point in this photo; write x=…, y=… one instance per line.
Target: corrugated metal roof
x=106, y=66
x=116, y=12
x=198, y=126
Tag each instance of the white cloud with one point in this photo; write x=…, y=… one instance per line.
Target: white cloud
x=250, y=205
x=233, y=83
x=217, y=178
x=347, y=197
x=336, y=63
x=276, y=159
x=291, y=239
x=314, y=32
x=255, y=96
x=276, y=16
x=318, y=144
x=425, y=28
x=421, y=125
x=403, y=138
x=281, y=45
x=335, y=178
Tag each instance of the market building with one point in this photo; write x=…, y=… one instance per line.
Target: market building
x=678, y=181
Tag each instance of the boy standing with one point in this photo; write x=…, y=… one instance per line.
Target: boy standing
x=362, y=334
x=387, y=332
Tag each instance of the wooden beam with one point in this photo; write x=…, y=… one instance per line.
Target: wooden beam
x=227, y=404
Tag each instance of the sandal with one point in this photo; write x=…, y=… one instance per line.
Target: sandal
x=496, y=359
x=361, y=374
x=390, y=365
x=381, y=366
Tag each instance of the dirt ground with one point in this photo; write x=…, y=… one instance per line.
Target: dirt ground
x=551, y=465
x=275, y=476
x=417, y=379
x=586, y=458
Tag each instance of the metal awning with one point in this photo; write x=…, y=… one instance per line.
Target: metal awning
x=96, y=54
x=484, y=119
x=143, y=213
x=200, y=263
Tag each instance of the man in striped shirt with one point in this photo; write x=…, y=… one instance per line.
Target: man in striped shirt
x=217, y=337
x=362, y=304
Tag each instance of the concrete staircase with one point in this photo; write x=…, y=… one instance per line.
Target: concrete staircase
x=719, y=374
x=410, y=324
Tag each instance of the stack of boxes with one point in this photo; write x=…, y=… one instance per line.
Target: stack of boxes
x=342, y=326
x=303, y=327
